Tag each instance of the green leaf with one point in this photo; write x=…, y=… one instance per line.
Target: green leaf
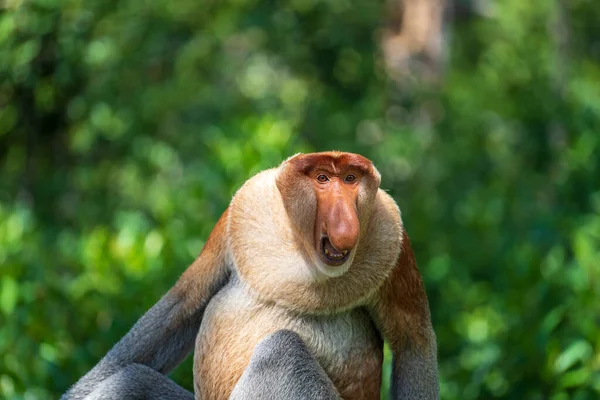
x=8, y=295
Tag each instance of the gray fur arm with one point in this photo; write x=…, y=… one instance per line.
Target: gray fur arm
x=155, y=341
x=401, y=312
x=165, y=335
x=415, y=373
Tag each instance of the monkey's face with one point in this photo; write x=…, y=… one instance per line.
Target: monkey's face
x=330, y=195
x=316, y=234
x=336, y=222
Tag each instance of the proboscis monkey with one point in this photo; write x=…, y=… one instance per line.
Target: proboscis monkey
x=303, y=277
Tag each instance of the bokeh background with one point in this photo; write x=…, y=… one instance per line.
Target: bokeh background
x=126, y=126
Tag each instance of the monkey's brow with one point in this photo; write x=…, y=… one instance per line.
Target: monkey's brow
x=354, y=166
x=333, y=166
x=337, y=169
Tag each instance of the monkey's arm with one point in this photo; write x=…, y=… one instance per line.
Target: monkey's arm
x=401, y=312
x=165, y=335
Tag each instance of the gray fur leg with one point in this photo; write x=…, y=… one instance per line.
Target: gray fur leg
x=282, y=367
x=138, y=382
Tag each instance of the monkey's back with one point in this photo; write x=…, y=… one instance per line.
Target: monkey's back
x=346, y=344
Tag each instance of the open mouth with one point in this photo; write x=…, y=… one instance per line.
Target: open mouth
x=331, y=255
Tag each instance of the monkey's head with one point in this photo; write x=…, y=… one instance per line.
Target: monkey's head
x=315, y=234
x=328, y=198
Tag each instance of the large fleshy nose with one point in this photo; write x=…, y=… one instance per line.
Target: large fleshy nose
x=342, y=225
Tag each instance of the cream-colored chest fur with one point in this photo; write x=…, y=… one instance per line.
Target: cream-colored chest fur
x=345, y=344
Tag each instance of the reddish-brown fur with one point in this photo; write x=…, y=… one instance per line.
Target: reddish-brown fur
x=401, y=308
x=194, y=285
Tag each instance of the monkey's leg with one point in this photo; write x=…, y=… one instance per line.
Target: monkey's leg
x=282, y=367
x=137, y=381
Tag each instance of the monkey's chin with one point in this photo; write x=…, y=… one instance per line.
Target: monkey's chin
x=328, y=271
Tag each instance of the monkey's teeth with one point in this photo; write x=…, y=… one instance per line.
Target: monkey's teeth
x=333, y=255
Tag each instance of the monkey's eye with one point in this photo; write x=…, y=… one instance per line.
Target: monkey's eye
x=322, y=178
x=350, y=178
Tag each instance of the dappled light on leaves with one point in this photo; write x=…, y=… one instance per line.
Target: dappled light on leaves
x=126, y=127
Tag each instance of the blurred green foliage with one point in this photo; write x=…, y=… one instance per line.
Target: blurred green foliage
x=126, y=126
